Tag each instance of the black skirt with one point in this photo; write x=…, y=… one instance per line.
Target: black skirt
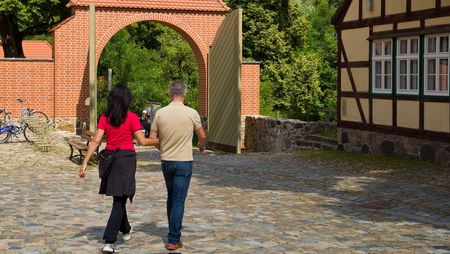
x=121, y=180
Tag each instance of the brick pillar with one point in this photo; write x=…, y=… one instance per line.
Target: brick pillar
x=249, y=94
x=250, y=88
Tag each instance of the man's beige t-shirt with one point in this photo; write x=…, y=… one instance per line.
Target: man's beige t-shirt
x=175, y=125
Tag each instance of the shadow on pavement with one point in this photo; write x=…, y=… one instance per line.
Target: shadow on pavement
x=366, y=192
x=93, y=234
x=152, y=230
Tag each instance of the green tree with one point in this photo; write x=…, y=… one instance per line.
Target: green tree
x=21, y=18
x=147, y=57
x=297, y=89
x=322, y=41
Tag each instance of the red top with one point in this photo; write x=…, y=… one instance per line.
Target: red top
x=120, y=137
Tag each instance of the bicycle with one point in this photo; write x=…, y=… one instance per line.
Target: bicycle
x=9, y=126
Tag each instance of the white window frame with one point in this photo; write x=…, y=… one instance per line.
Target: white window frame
x=383, y=58
x=408, y=57
x=437, y=56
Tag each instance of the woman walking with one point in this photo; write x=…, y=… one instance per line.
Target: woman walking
x=120, y=126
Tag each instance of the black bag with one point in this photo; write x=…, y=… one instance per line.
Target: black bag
x=105, y=159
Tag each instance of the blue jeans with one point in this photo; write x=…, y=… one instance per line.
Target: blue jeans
x=177, y=175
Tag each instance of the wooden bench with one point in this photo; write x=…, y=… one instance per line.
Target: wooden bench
x=81, y=145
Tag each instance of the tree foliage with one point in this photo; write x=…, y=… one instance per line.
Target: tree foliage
x=21, y=18
x=295, y=43
x=147, y=57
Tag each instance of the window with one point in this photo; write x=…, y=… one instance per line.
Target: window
x=382, y=66
x=436, y=60
x=408, y=65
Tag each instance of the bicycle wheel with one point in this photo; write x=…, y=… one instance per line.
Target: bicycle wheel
x=39, y=114
x=27, y=131
x=4, y=136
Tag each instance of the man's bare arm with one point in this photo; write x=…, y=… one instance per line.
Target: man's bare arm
x=201, y=134
x=154, y=134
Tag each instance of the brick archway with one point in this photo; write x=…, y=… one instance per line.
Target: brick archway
x=197, y=21
x=194, y=40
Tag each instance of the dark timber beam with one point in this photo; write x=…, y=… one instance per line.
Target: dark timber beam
x=356, y=64
x=396, y=18
x=407, y=132
x=360, y=10
x=352, y=80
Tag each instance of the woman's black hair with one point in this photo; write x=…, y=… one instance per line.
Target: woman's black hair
x=119, y=100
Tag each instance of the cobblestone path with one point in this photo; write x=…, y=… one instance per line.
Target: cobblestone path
x=252, y=203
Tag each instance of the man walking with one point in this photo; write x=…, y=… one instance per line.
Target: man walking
x=175, y=125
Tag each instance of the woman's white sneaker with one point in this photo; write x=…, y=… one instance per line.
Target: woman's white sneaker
x=127, y=237
x=110, y=248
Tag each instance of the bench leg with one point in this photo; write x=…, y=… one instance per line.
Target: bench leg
x=71, y=152
x=81, y=157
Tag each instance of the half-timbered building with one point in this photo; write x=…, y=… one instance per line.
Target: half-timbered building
x=393, y=78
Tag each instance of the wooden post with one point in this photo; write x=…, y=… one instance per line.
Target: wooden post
x=92, y=71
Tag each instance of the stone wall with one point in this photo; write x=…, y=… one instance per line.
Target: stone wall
x=368, y=142
x=268, y=134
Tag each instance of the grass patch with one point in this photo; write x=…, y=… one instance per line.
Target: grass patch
x=391, y=162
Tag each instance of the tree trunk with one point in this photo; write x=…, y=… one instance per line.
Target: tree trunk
x=11, y=37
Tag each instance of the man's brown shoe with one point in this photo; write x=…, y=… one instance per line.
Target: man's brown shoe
x=174, y=246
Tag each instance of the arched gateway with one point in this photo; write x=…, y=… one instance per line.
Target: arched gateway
x=60, y=85
x=198, y=21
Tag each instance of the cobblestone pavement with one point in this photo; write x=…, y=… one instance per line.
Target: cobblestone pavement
x=252, y=203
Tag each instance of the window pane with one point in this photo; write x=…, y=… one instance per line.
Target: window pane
x=443, y=83
x=414, y=46
x=431, y=66
x=387, y=82
x=431, y=45
x=387, y=67
x=403, y=67
x=387, y=48
x=378, y=67
x=443, y=47
x=414, y=67
x=431, y=83
x=443, y=77
x=378, y=48
x=403, y=80
x=414, y=82
x=378, y=81
x=443, y=66
x=403, y=46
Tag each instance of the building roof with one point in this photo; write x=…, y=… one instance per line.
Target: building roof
x=34, y=50
x=182, y=5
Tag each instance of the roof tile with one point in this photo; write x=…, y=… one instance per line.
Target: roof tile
x=34, y=49
x=199, y=5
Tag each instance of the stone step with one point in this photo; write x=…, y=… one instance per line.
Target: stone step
x=321, y=139
x=315, y=144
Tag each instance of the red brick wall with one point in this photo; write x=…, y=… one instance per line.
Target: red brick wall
x=250, y=89
x=31, y=80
